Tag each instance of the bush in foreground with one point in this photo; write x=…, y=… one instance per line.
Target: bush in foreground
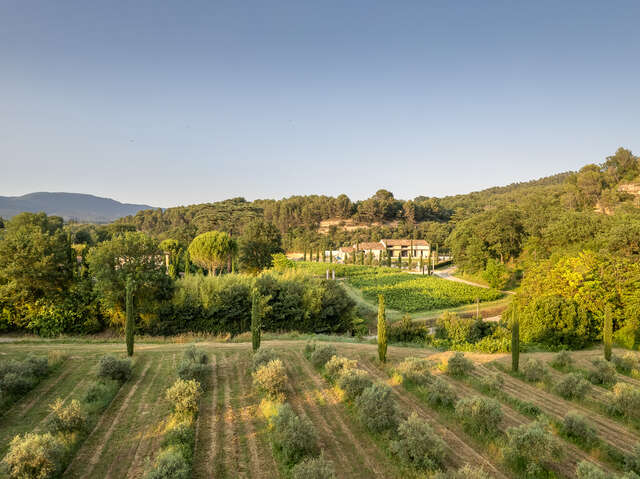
x=377, y=409
x=533, y=370
x=100, y=393
x=465, y=472
x=294, y=436
x=415, y=370
x=271, y=379
x=261, y=357
x=479, y=415
x=588, y=470
x=632, y=460
x=111, y=367
x=626, y=364
x=458, y=365
x=184, y=395
x=492, y=382
x=440, y=393
x=624, y=400
x=183, y=437
x=418, y=445
x=604, y=372
x=170, y=464
x=322, y=355
x=530, y=447
x=572, y=386
x=576, y=426
x=562, y=360
x=37, y=456
x=66, y=419
x=353, y=382
x=338, y=365
x=314, y=468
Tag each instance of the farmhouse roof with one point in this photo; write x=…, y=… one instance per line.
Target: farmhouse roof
x=373, y=245
x=347, y=249
x=404, y=242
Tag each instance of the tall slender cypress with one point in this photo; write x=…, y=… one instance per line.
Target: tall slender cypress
x=515, y=342
x=382, y=330
x=607, y=332
x=388, y=253
x=256, y=319
x=187, y=263
x=129, y=324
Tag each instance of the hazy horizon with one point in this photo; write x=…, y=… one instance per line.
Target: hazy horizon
x=169, y=104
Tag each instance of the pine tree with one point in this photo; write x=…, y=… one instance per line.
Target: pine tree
x=256, y=319
x=515, y=343
x=382, y=330
x=129, y=324
x=607, y=332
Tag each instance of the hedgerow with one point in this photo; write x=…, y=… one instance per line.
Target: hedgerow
x=19, y=377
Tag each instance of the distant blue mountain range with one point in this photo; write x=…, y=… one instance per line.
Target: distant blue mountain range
x=71, y=206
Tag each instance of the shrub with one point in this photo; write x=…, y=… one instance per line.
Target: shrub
x=262, y=357
x=492, y=382
x=37, y=456
x=184, y=395
x=576, y=426
x=189, y=370
x=271, y=378
x=415, y=370
x=338, y=365
x=530, y=447
x=322, y=355
x=632, y=460
x=170, y=464
x=66, y=419
x=418, y=445
x=195, y=355
x=313, y=468
x=624, y=400
x=36, y=366
x=440, y=393
x=479, y=415
x=377, y=409
x=407, y=331
x=626, y=364
x=458, y=365
x=465, y=472
x=181, y=436
x=572, y=386
x=294, y=437
x=353, y=382
x=15, y=384
x=562, y=360
x=588, y=470
x=533, y=370
x=100, y=393
x=113, y=368
x=309, y=348
x=603, y=373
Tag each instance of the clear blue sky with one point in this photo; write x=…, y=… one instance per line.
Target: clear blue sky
x=171, y=103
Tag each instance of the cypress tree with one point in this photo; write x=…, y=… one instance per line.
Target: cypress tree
x=388, y=253
x=370, y=257
x=187, y=263
x=421, y=262
x=382, y=330
x=331, y=256
x=515, y=343
x=129, y=320
x=304, y=254
x=400, y=259
x=362, y=258
x=256, y=319
x=318, y=255
x=607, y=332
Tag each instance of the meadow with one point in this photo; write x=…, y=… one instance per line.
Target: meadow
x=236, y=435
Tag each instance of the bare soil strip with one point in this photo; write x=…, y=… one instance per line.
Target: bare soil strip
x=364, y=452
x=333, y=450
x=83, y=464
x=609, y=430
x=218, y=425
x=459, y=452
x=231, y=441
x=205, y=431
x=261, y=466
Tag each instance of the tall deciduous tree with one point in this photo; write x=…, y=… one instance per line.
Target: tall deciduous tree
x=213, y=250
x=258, y=243
x=382, y=330
x=135, y=256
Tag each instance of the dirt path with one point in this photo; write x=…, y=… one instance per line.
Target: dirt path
x=365, y=450
x=205, y=447
x=459, y=452
x=87, y=458
x=608, y=430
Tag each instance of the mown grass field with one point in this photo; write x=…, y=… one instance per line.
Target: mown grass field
x=232, y=436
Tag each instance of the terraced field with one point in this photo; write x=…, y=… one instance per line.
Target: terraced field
x=233, y=438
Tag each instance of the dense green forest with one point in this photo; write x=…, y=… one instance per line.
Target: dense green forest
x=568, y=244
